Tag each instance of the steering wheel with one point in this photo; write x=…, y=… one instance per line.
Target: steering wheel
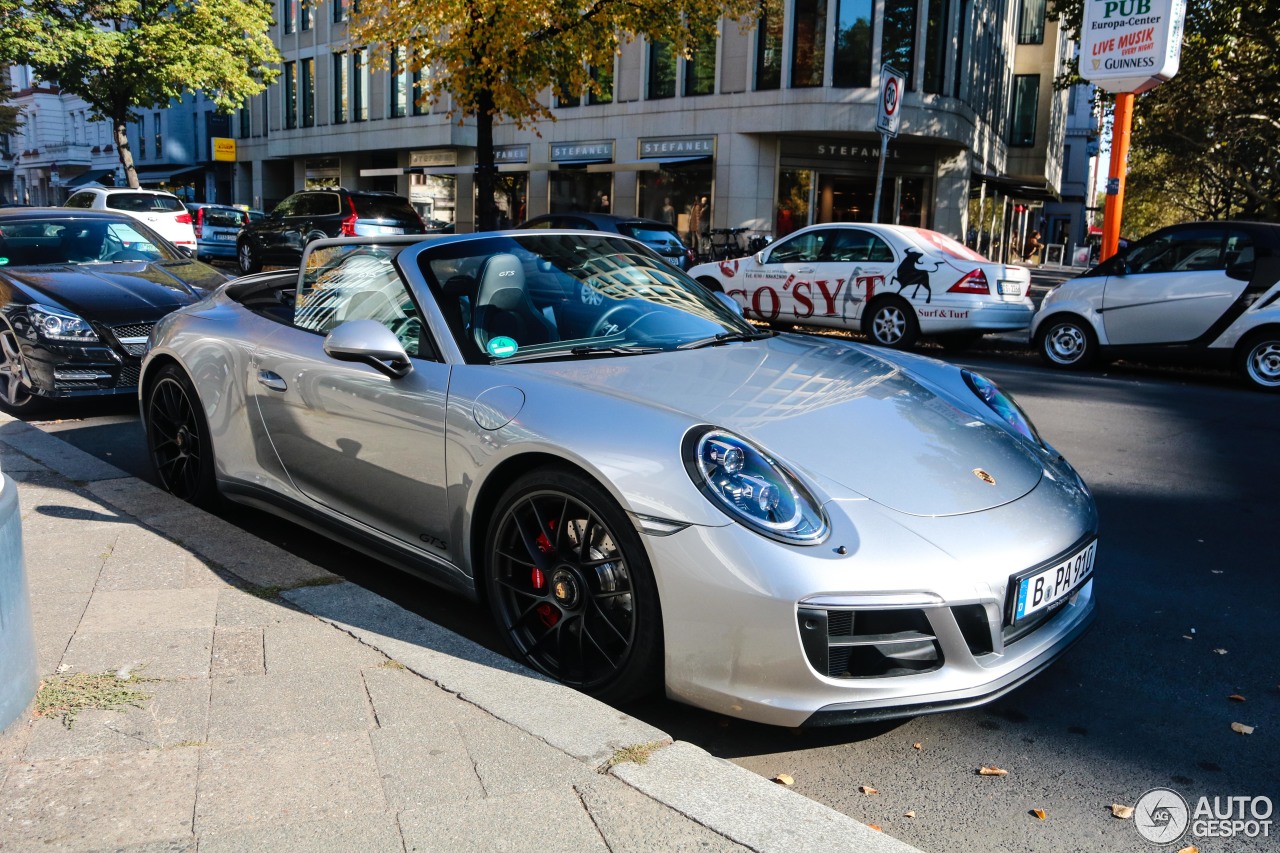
x=128, y=255
x=618, y=318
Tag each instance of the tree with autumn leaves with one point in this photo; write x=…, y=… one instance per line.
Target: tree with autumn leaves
x=124, y=55
x=497, y=59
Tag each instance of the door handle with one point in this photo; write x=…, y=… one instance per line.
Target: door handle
x=271, y=380
x=804, y=269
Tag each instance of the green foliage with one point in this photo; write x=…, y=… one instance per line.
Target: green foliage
x=496, y=58
x=65, y=696
x=10, y=116
x=124, y=55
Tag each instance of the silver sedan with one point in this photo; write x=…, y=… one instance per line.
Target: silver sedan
x=647, y=490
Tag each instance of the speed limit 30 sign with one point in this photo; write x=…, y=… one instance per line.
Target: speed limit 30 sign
x=892, y=84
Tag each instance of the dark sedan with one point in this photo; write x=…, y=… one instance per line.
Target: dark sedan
x=79, y=293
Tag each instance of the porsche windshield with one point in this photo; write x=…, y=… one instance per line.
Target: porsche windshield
x=572, y=295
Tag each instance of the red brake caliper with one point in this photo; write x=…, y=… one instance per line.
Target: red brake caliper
x=546, y=612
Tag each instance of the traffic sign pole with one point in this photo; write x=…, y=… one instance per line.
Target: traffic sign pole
x=884, y=152
x=1121, y=122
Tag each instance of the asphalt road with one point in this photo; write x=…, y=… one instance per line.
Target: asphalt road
x=1183, y=465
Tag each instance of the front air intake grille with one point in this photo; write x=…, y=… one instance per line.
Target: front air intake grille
x=132, y=337
x=868, y=643
x=129, y=373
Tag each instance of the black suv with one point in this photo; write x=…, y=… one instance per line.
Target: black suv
x=280, y=236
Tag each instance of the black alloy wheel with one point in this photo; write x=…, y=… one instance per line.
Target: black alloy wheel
x=571, y=587
x=178, y=438
x=247, y=258
x=15, y=384
x=890, y=322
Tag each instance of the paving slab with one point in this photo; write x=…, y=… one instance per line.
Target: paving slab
x=237, y=651
x=251, y=708
x=534, y=822
x=54, y=617
x=113, y=611
x=511, y=761
x=315, y=646
x=364, y=833
x=630, y=822
x=154, y=654
x=426, y=767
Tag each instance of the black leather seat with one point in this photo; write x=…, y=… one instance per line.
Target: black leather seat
x=503, y=307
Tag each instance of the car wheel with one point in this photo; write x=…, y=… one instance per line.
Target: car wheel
x=959, y=340
x=571, y=587
x=15, y=383
x=1067, y=342
x=890, y=322
x=178, y=439
x=1258, y=358
x=711, y=284
x=247, y=258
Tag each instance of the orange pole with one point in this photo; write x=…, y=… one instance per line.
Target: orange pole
x=1121, y=121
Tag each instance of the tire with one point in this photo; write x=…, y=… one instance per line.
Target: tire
x=1258, y=360
x=959, y=340
x=1067, y=342
x=890, y=322
x=711, y=284
x=178, y=439
x=247, y=259
x=15, y=383
x=571, y=588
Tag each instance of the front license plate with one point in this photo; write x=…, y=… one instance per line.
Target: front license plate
x=1046, y=587
x=1009, y=288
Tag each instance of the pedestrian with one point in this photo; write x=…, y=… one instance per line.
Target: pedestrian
x=1032, y=247
x=697, y=213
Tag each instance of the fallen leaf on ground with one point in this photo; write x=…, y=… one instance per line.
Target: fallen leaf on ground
x=784, y=779
x=917, y=745
x=867, y=789
x=1191, y=849
x=1236, y=697
x=1122, y=812
x=909, y=814
x=1219, y=651
x=984, y=770
x=1242, y=728
x=1039, y=813
x=873, y=826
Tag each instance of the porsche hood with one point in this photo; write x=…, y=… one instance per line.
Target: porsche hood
x=837, y=413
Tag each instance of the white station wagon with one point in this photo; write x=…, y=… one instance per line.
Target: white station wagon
x=892, y=282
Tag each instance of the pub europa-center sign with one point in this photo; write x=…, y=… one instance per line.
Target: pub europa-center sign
x=1131, y=45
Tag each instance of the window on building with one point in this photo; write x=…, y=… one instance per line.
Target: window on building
x=419, y=103
x=937, y=36
x=339, y=11
x=308, y=88
x=1026, y=100
x=304, y=14
x=341, y=87
x=603, y=75
x=142, y=140
x=289, y=85
x=809, y=43
x=398, y=82
x=769, y=46
x=898, y=42
x=246, y=121
x=662, y=70
x=700, y=71
x=852, y=62
x=1031, y=21
x=159, y=137
x=360, y=85
x=568, y=99
x=289, y=15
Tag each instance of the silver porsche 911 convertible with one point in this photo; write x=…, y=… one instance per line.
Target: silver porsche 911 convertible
x=646, y=489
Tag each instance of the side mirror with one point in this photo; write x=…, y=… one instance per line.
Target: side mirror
x=759, y=257
x=186, y=251
x=369, y=342
x=730, y=301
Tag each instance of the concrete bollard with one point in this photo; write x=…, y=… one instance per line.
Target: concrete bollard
x=18, y=677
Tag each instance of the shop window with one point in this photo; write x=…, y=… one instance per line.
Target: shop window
x=700, y=71
x=289, y=85
x=662, y=70
x=851, y=66
x=308, y=88
x=936, y=38
x=1026, y=98
x=341, y=88
x=577, y=190
x=898, y=44
x=769, y=46
x=1031, y=21
x=668, y=195
x=603, y=75
x=795, y=188
x=808, y=44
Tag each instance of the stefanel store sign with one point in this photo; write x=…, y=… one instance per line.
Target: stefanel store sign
x=1131, y=45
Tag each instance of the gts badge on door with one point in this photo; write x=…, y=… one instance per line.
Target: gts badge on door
x=432, y=542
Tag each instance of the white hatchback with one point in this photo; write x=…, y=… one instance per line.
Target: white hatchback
x=892, y=282
x=163, y=212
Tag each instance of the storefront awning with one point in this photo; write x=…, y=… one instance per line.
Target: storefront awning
x=651, y=164
x=455, y=170
x=88, y=177
x=165, y=175
x=1014, y=188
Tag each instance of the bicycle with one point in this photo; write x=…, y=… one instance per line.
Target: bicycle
x=729, y=245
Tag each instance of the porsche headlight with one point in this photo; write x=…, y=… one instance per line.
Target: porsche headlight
x=750, y=487
x=1002, y=404
x=55, y=324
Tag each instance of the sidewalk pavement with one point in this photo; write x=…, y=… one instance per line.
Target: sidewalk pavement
x=277, y=707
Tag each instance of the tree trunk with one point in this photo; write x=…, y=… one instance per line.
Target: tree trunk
x=486, y=168
x=124, y=152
